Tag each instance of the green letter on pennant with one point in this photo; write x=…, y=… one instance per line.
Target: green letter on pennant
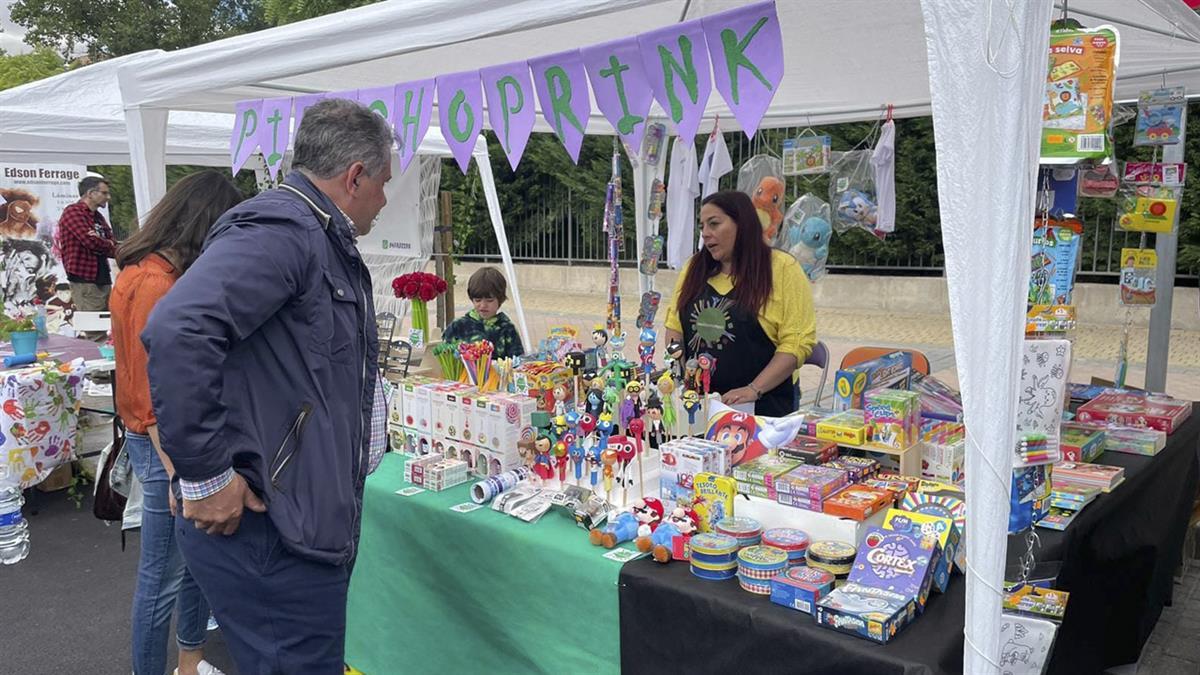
x=249, y=127
x=411, y=120
x=686, y=72
x=560, y=99
x=502, y=88
x=459, y=103
x=628, y=120
x=274, y=121
x=735, y=56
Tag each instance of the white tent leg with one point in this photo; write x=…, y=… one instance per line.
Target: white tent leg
x=493, y=204
x=986, y=189
x=147, y=154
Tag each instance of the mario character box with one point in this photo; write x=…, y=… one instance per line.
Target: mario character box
x=892, y=371
x=871, y=613
x=738, y=433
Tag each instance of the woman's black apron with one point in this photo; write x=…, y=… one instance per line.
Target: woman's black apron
x=713, y=324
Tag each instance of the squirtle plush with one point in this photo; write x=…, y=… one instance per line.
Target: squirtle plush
x=808, y=243
x=768, y=201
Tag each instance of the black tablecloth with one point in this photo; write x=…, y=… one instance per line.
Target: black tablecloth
x=1118, y=559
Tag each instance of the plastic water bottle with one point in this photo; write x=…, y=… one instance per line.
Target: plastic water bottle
x=14, y=531
x=39, y=321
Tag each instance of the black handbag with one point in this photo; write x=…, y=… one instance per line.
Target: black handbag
x=108, y=504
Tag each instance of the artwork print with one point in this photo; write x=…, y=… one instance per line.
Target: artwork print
x=1025, y=644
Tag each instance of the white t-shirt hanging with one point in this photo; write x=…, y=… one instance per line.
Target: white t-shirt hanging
x=884, y=161
x=683, y=187
x=716, y=163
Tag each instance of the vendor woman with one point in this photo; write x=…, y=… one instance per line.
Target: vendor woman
x=746, y=304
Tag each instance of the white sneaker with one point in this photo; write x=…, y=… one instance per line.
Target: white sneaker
x=205, y=668
x=212, y=622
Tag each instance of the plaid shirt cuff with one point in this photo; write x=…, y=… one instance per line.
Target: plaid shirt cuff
x=379, y=408
x=200, y=489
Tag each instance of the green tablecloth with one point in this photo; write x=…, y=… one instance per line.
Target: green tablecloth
x=435, y=590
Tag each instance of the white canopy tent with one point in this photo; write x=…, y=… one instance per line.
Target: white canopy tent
x=78, y=117
x=845, y=60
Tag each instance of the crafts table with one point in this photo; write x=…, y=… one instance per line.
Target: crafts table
x=1117, y=559
x=38, y=416
x=435, y=590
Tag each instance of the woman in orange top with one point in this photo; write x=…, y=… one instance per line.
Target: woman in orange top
x=151, y=260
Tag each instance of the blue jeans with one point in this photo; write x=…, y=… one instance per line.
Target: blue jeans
x=163, y=581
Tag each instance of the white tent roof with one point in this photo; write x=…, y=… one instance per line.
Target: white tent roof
x=78, y=117
x=844, y=59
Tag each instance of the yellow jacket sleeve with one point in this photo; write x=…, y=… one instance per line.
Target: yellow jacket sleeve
x=798, y=325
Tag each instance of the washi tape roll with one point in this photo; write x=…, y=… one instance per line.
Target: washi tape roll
x=762, y=558
x=757, y=589
x=834, y=557
x=740, y=527
x=492, y=486
x=723, y=559
x=713, y=543
x=715, y=566
x=710, y=575
x=787, y=539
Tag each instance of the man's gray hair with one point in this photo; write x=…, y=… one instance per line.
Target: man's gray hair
x=336, y=133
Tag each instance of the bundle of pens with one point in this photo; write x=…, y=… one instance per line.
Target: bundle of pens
x=447, y=356
x=1037, y=449
x=504, y=374
x=477, y=362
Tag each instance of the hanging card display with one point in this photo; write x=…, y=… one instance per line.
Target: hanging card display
x=1154, y=173
x=1139, y=270
x=1098, y=181
x=1160, y=116
x=1044, y=368
x=1077, y=110
x=1147, y=209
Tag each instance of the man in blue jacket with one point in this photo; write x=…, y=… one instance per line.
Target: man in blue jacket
x=262, y=377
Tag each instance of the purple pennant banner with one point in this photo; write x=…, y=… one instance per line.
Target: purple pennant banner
x=274, y=129
x=619, y=83
x=746, y=47
x=510, y=106
x=379, y=100
x=411, y=112
x=460, y=110
x=247, y=119
x=676, y=60
x=301, y=104
x=561, y=83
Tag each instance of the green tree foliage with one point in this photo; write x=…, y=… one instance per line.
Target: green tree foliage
x=279, y=12
x=105, y=28
x=18, y=69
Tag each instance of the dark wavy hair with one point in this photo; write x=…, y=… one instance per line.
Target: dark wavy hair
x=181, y=220
x=751, y=268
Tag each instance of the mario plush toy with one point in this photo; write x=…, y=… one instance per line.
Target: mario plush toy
x=642, y=519
x=669, y=540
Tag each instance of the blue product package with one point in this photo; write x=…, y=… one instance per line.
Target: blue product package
x=896, y=562
x=892, y=371
x=864, y=611
x=801, y=587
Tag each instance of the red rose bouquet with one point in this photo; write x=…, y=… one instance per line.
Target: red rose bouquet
x=419, y=288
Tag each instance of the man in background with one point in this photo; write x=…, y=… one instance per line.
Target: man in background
x=86, y=242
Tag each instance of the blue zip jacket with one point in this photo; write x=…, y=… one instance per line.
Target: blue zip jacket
x=261, y=358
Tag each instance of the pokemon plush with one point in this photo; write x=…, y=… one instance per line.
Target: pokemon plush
x=808, y=243
x=856, y=209
x=768, y=201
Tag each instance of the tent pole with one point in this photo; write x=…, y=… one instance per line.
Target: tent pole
x=1158, y=345
x=147, y=130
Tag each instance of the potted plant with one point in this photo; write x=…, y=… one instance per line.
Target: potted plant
x=21, y=332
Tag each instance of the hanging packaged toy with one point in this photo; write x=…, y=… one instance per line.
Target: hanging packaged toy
x=806, y=233
x=1055, y=251
x=1160, y=116
x=1147, y=209
x=806, y=154
x=852, y=191
x=761, y=177
x=1098, y=181
x=1077, y=111
x=1139, y=271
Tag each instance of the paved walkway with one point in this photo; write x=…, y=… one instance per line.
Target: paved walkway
x=1095, y=346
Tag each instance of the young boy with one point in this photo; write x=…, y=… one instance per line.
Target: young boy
x=487, y=290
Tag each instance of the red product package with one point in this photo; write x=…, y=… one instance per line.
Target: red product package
x=1136, y=410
